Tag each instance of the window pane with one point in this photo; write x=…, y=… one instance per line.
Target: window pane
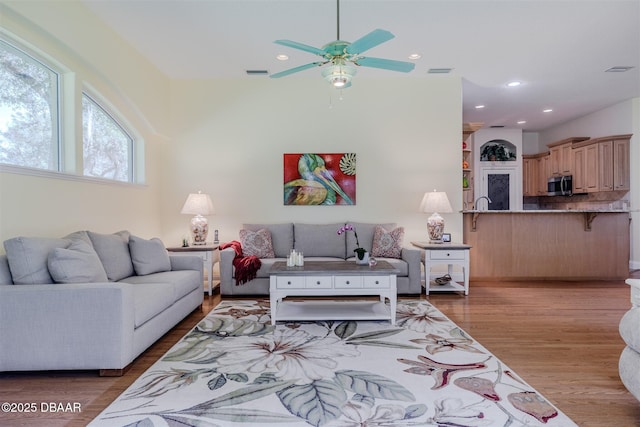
x=107, y=148
x=28, y=111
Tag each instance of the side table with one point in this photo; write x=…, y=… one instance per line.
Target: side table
x=206, y=252
x=445, y=253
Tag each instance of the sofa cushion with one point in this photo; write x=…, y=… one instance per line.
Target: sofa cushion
x=630, y=328
x=79, y=235
x=319, y=240
x=387, y=243
x=281, y=237
x=183, y=281
x=365, y=235
x=78, y=263
x=148, y=256
x=257, y=243
x=151, y=299
x=113, y=250
x=28, y=257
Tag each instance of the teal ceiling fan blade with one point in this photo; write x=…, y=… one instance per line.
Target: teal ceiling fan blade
x=373, y=39
x=301, y=46
x=296, y=69
x=387, y=64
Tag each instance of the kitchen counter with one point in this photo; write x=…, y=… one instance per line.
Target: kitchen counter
x=579, y=244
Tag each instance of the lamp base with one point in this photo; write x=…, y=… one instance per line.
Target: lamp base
x=199, y=230
x=435, y=228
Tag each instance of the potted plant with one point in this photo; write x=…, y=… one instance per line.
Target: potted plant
x=496, y=152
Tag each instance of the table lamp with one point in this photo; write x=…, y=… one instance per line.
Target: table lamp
x=198, y=204
x=434, y=202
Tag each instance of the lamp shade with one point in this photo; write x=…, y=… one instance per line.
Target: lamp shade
x=198, y=204
x=435, y=201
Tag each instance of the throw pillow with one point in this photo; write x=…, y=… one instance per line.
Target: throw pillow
x=387, y=244
x=113, y=250
x=78, y=263
x=27, y=258
x=148, y=256
x=257, y=243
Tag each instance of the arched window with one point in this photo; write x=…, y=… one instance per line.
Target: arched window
x=107, y=148
x=29, y=110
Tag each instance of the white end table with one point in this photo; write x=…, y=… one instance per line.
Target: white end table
x=445, y=253
x=208, y=253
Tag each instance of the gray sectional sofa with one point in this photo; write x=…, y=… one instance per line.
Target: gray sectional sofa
x=90, y=301
x=629, y=364
x=317, y=242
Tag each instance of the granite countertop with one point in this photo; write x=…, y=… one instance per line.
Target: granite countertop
x=534, y=211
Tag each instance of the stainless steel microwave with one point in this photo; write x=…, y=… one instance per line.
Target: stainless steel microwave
x=560, y=186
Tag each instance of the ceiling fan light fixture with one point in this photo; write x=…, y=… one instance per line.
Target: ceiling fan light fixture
x=339, y=76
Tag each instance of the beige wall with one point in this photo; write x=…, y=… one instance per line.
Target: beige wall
x=227, y=138
x=36, y=205
x=231, y=136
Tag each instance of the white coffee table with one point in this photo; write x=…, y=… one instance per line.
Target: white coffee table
x=330, y=279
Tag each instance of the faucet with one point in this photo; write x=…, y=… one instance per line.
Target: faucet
x=475, y=204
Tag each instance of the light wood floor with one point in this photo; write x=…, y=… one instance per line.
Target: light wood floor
x=561, y=337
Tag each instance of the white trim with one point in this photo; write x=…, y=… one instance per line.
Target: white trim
x=46, y=173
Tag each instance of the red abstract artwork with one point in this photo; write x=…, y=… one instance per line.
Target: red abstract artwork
x=320, y=179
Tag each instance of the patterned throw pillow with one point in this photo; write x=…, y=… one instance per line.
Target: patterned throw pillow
x=387, y=244
x=257, y=243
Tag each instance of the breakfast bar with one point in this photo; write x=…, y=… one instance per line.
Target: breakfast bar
x=548, y=244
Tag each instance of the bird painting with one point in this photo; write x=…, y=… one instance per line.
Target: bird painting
x=319, y=179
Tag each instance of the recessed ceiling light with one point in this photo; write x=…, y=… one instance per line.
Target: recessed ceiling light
x=415, y=56
x=514, y=83
x=521, y=122
x=282, y=57
x=547, y=110
x=479, y=107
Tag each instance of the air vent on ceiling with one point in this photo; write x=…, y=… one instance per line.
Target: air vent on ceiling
x=618, y=69
x=257, y=72
x=496, y=126
x=439, y=70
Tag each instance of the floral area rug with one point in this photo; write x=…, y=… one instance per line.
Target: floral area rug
x=236, y=369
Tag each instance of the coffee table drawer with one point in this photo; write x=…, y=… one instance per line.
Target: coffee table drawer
x=345, y=282
x=318, y=282
x=376, y=281
x=290, y=282
x=443, y=255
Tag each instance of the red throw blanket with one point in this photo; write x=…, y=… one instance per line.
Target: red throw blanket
x=246, y=266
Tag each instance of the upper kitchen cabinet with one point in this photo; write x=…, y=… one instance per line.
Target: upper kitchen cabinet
x=602, y=164
x=561, y=156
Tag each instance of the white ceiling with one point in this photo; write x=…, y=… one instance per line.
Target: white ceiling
x=558, y=49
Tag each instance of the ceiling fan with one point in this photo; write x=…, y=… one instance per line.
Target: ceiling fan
x=343, y=56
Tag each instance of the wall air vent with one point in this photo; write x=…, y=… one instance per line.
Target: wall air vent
x=439, y=70
x=496, y=126
x=618, y=69
x=257, y=72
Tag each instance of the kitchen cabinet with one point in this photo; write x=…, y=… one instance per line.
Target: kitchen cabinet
x=543, y=174
x=621, y=163
x=605, y=166
x=561, y=157
x=535, y=173
x=602, y=164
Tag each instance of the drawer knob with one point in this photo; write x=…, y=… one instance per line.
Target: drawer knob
x=289, y=282
x=377, y=282
x=347, y=282
x=318, y=282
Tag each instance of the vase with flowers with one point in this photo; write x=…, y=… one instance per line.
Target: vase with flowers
x=362, y=255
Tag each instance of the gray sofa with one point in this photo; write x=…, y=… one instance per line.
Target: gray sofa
x=317, y=242
x=90, y=301
x=629, y=364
